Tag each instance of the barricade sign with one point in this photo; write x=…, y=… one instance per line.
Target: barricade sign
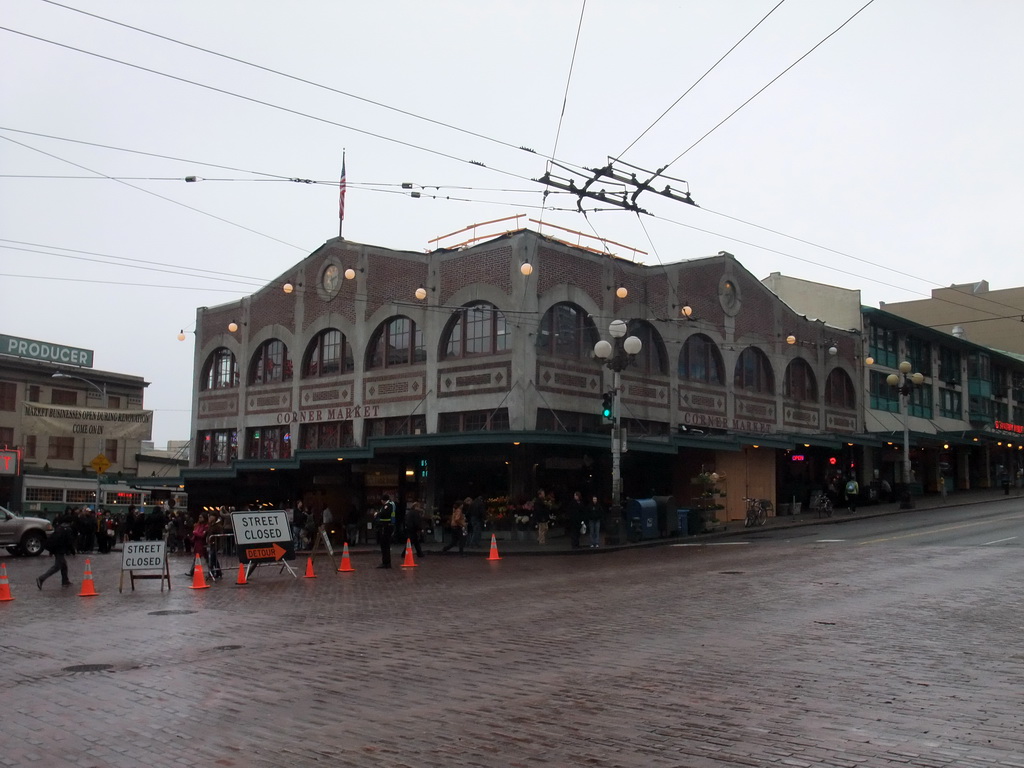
x=144, y=560
x=263, y=538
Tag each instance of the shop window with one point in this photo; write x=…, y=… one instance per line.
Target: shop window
x=800, y=383
x=396, y=425
x=700, y=360
x=474, y=421
x=268, y=442
x=567, y=421
x=566, y=331
x=476, y=329
x=754, y=372
x=328, y=354
x=218, y=446
x=271, y=363
x=396, y=342
x=839, y=391
x=326, y=435
x=220, y=371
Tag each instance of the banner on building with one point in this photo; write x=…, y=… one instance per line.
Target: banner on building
x=60, y=420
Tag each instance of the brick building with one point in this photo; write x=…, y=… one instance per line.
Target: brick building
x=461, y=372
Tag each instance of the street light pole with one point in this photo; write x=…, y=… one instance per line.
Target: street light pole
x=102, y=451
x=905, y=380
x=616, y=356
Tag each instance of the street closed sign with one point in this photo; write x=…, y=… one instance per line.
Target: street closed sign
x=263, y=537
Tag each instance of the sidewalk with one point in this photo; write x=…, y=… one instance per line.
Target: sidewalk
x=558, y=543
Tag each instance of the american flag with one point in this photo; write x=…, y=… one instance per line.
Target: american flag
x=341, y=187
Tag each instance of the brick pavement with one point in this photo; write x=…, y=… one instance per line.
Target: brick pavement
x=766, y=655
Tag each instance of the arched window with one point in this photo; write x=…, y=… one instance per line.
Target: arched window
x=271, y=363
x=839, y=391
x=566, y=331
x=328, y=354
x=754, y=372
x=396, y=342
x=220, y=370
x=800, y=383
x=476, y=329
x=700, y=360
x=652, y=358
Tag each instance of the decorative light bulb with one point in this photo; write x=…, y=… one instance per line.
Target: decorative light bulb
x=621, y=292
x=181, y=335
x=686, y=311
x=526, y=268
x=350, y=274
x=288, y=287
x=421, y=293
x=232, y=326
x=791, y=339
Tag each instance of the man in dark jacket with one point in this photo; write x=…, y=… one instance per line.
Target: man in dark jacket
x=60, y=543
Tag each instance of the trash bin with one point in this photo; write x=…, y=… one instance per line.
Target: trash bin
x=642, y=516
x=666, y=506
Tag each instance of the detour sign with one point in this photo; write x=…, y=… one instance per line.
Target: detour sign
x=263, y=537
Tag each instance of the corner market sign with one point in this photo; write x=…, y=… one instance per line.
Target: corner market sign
x=44, y=350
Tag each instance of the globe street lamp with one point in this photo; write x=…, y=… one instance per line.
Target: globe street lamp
x=103, y=394
x=906, y=381
x=617, y=355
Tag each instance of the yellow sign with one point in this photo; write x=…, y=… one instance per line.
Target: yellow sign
x=101, y=463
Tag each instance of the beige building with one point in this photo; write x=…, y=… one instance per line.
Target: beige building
x=970, y=311
x=64, y=425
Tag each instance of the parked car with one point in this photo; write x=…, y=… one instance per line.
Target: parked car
x=23, y=535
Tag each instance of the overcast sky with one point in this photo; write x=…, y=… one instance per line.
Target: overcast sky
x=886, y=159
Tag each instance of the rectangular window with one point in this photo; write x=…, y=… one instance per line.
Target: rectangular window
x=474, y=421
x=81, y=496
x=30, y=446
x=63, y=397
x=219, y=446
x=884, y=396
x=268, y=442
x=949, y=365
x=8, y=396
x=328, y=435
x=920, y=401
x=44, y=494
x=567, y=421
x=113, y=402
x=950, y=404
x=110, y=450
x=919, y=353
x=396, y=425
x=62, y=448
x=1001, y=411
x=882, y=346
x=6, y=437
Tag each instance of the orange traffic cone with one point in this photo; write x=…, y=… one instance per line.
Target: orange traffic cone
x=494, y=549
x=198, y=580
x=241, y=575
x=346, y=564
x=88, y=587
x=5, y=588
x=309, y=568
x=409, y=562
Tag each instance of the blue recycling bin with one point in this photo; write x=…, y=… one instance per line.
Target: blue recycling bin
x=642, y=518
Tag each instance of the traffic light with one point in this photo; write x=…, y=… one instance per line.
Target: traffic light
x=607, y=400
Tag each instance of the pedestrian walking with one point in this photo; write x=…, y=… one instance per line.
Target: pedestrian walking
x=852, y=491
x=595, y=514
x=414, y=526
x=199, y=533
x=458, y=526
x=385, y=526
x=61, y=543
x=541, y=515
x=477, y=510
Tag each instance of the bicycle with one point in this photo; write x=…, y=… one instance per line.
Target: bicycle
x=823, y=506
x=757, y=512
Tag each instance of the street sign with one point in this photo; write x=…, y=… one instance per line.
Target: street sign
x=263, y=537
x=100, y=463
x=144, y=560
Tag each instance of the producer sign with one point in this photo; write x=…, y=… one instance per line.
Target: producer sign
x=44, y=350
